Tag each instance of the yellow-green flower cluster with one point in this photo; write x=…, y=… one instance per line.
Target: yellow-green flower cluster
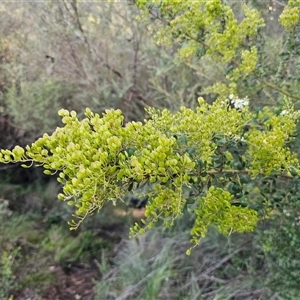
x=98, y=159
x=247, y=65
x=216, y=206
x=290, y=15
x=208, y=27
x=186, y=19
x=267, y=146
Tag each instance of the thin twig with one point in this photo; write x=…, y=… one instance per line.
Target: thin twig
x=245, y=171
x=86, y=42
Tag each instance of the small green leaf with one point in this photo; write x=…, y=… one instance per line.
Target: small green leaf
x=294, y=172
x=130, y=151
x=221, y=142
x=191, y=150
x=182, y=140
x=130, y=187
x=190, y=201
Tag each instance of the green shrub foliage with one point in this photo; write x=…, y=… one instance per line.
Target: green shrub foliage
x=191, y=160
x=202, y=161
x=211, y=29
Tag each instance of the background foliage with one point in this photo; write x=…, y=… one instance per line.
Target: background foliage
x=72, y=56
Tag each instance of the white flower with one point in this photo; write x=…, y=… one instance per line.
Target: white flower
x=240, y=103
x=238, y=138
x=284, y=112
